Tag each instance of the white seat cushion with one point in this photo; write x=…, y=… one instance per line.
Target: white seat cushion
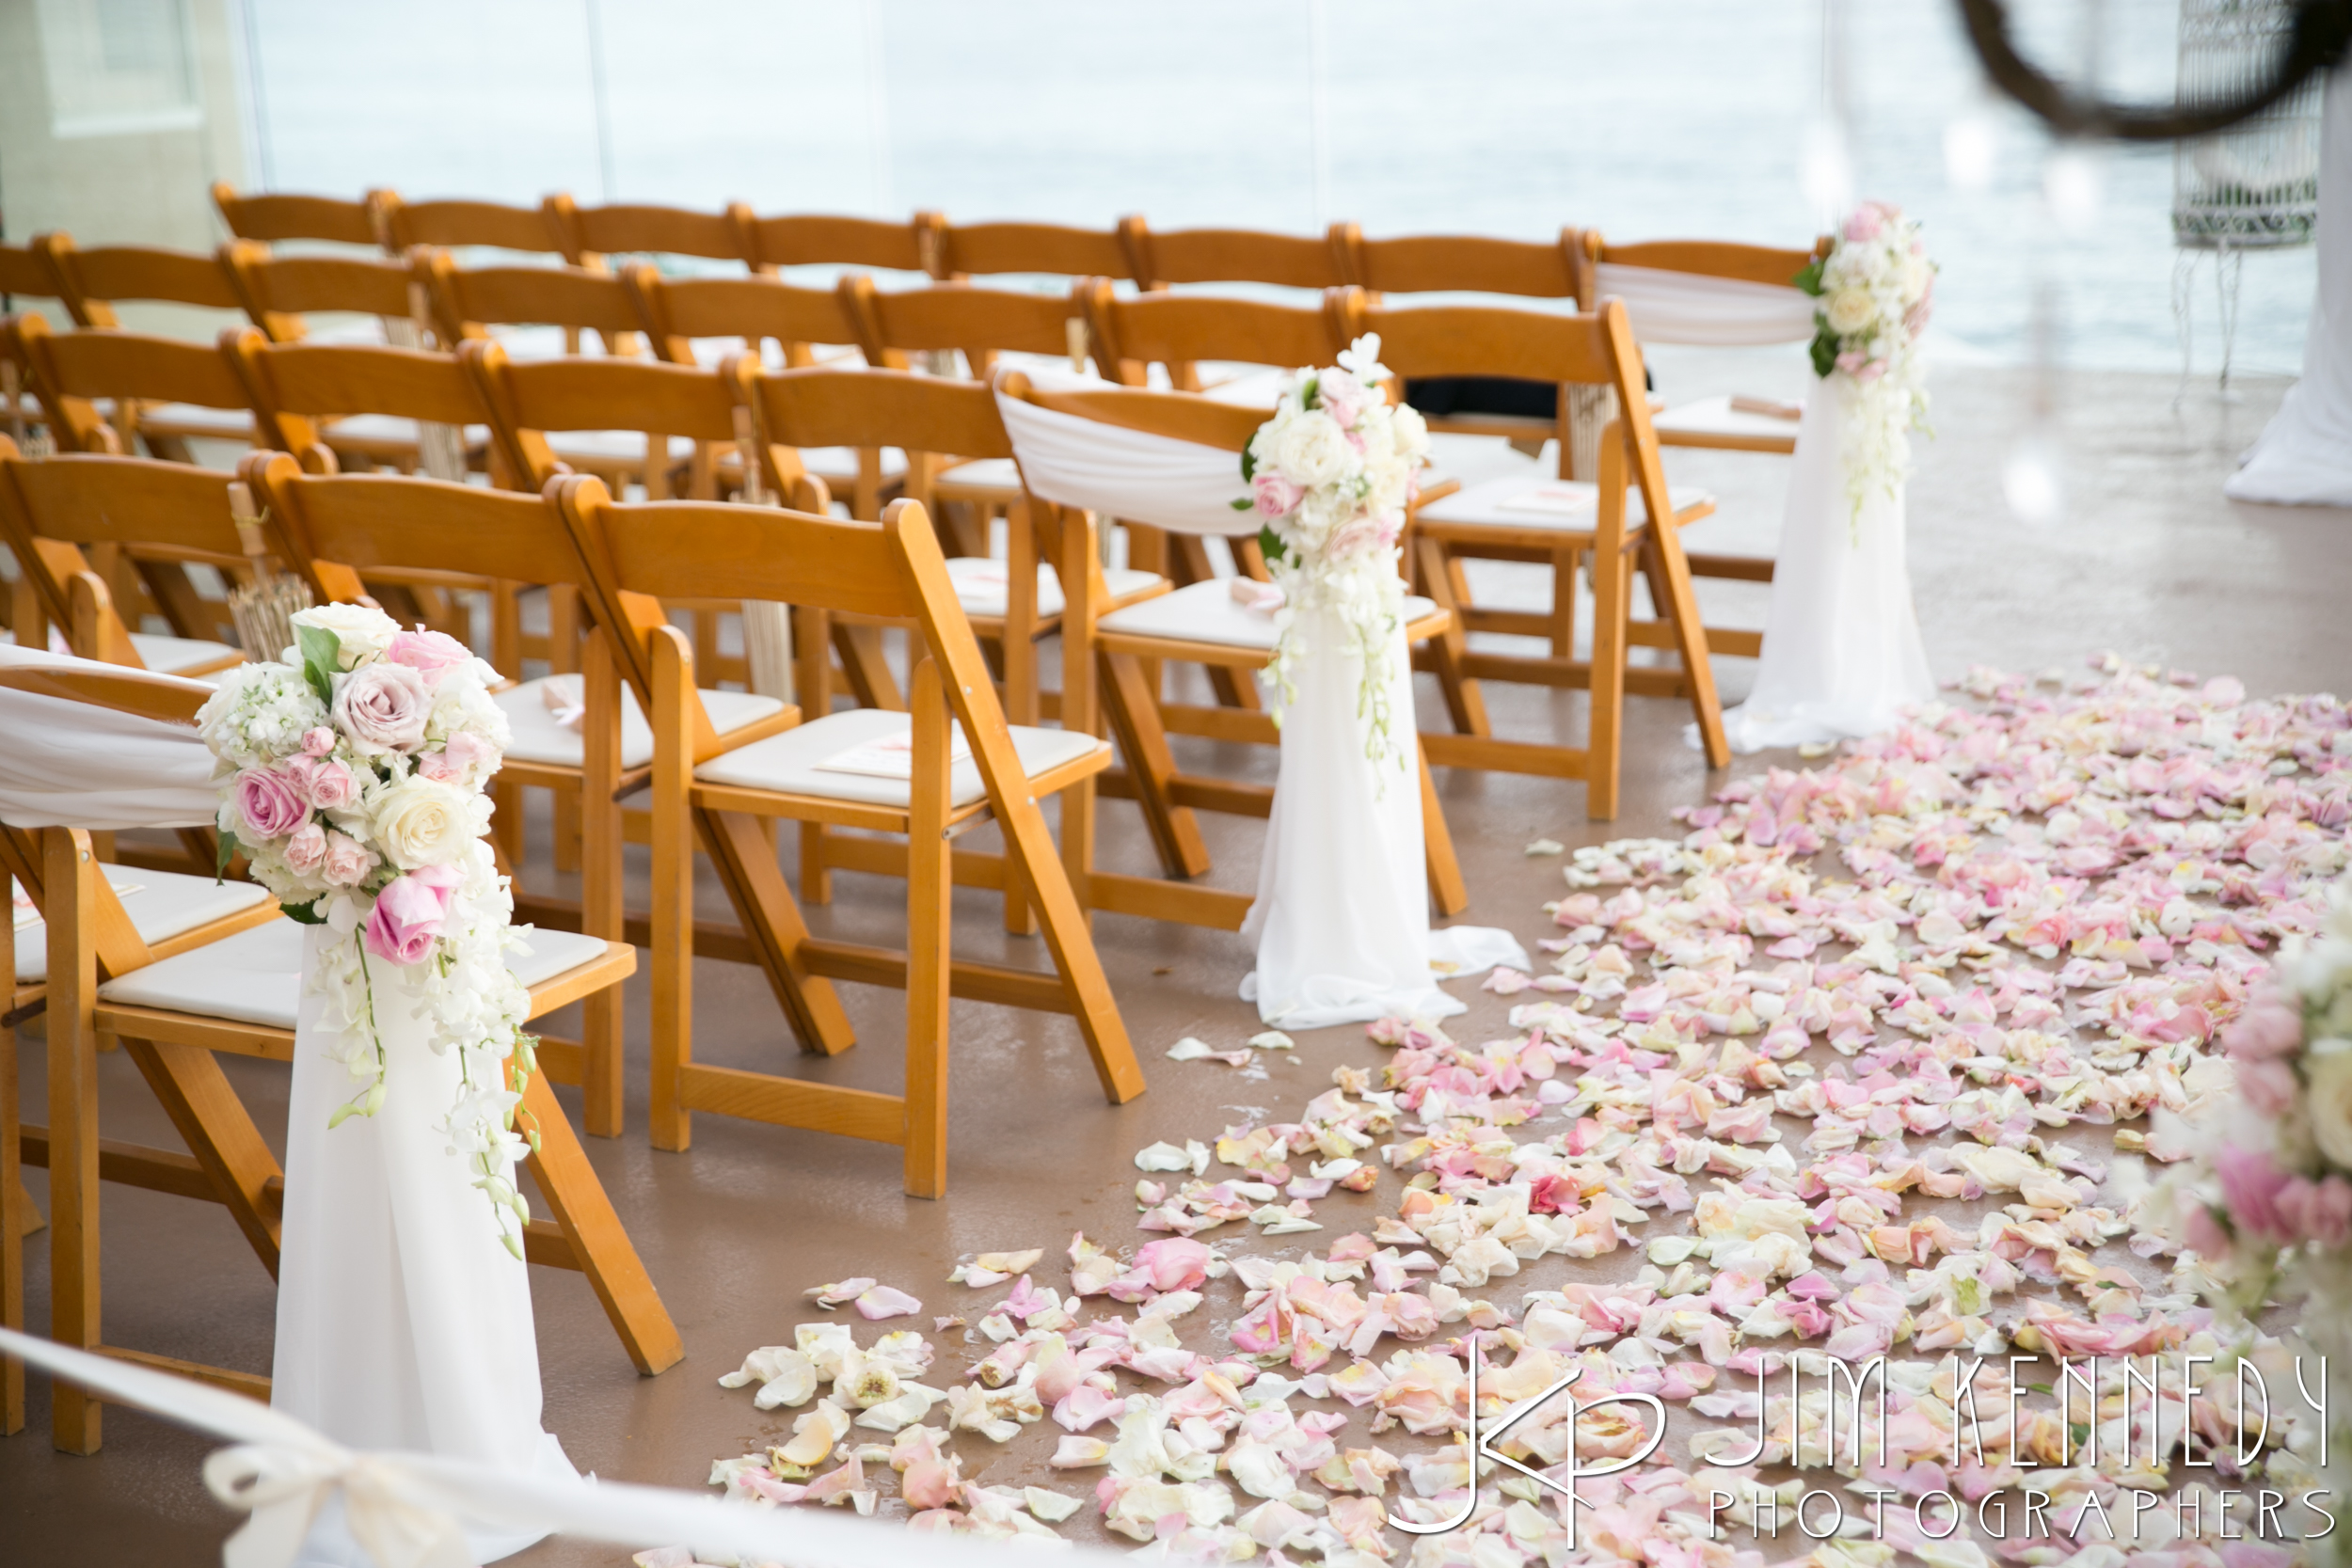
x=1569, y=505
x=788, y=763
x=611, y=446
x=980, y=585
x=168, y=656
x=837, y=466
x=195, y=419
x=998, y=476
x=390, y=429
x=1208, y=612
x=1716, y=417
x=1251, y=385
x=256, y=976
x=538, y=737
x=533, y=342
x=161, y=904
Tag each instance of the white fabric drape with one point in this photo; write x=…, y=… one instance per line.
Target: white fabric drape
x=2304, y=456
x=1685, y=307
x=1842, y=655
x=69, y=764
x=408, y=1504
x=402, y=1321
x=1341, y=916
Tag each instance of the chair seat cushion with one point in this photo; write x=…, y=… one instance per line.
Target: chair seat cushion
x=169, y=656
x=161, y=904
x=1208, y=612
x=256, y=976
x=1561, y=505
x=837, y=466
x=611, y=446
x=1716, y=417
x=980, y=585
x=391, y=430
x=190, y=418
x=539, y=738
x=993, y=476
x=790, y=763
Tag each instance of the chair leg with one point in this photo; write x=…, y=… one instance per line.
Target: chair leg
x=15, y=1203
x=601, y=907
x=1465, y=700
x=1698, y=668
x=584, y=1214
x=1446, y=887
x=1609, y=609
x=1563, y=603
x=764, y=905
x=929, y=900
x=68, y=879
x=1135, y=717
x=219, y=1131
x=868, y=669
x=669, y=1122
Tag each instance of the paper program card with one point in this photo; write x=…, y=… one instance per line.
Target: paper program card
x=1569, y=497
x=891, y=756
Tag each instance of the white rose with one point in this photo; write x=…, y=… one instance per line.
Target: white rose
x=1915, y=273
x=1850, y=310
x=1408, y=432
x=1314, y=450
x=2329, y=1104
x=361, y=634
x=419, y=822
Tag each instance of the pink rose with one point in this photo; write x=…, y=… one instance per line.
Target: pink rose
x=2251, y=1185
x=2204, y=1234
x=459, y=757
x=408, y=915
x=1363, y=535
x=1851, y=361
x=1275, y=495
x=326, y=782
x=307, y=848
x=270, y=802
x=2317, y=1210
x=1867, y=221
x=318, y=742
x=431, y=653
x=348, y=861
x=2270, y=1086
x=383, y=707
x=2269, y=1027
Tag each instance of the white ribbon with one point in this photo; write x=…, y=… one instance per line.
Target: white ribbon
x=75, y=764
x=1693, y=308
x=406, y=1508
x=1133, y=475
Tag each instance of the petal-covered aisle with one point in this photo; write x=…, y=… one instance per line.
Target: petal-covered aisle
x=1866, y=1064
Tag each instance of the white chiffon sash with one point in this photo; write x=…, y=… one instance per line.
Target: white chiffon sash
x=1341, y=916
x=1842, y=656
x=65, y=764
x=2304, y=455
x=1690, y=307
x=402, y=1321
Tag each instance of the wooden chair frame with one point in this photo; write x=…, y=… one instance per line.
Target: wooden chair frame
x=1593, y=348
x=271, y=216
x=467, y=225
x=890, y=570
x=806, y=239
x=1112, y=677
x=1047, y=250
x=92, y=939
x=1157, y=257
x=277, y=291
x=591, y=234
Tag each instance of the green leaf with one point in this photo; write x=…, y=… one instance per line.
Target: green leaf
x=1244, y=504
x=223, y=852
x=1248, y=465
x=321, y=655
x=1824, y=353
x=1810, y=279
x=1270, y=543
x=305, y=914
x=1310, y=393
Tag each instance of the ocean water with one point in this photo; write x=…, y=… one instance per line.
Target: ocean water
x=1645, y=118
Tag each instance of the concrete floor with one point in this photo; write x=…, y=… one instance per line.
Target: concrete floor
x=2149, y=561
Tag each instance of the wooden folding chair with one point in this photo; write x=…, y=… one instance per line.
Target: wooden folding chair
x=704, y=321
x=464, y=225
x=277, y=291
x=338, y=530
x=722, y=792
x=83, y=375
x=90, y=281
x=1199, y=623
x=802, y=240
x=592, y=233
x=271, y=217
x=1034, y=249
x=1157, y=258
x=1553, y=522
x=231, y=985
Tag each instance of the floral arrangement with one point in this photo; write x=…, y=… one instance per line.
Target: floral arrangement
x=351, y=774
x=1877, y=290
x=1331, y=474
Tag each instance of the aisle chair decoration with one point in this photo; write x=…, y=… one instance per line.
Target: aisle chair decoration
x=1842, y=655
x=1342, y=933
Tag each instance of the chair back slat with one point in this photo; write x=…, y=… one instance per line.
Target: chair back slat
x=468, y=301
x=1232, y=256
x=290, y=385
x=1179, y=416
x=92, y=281
x=278, y=290
x=982, y=323
x=69, y=368
x=24, y=271
x=1469, y=340
x=95, y=498
x=679, y=311
x=655, y=230
x=822, y=407
x=273, y=215
x=162, y=698
x=1178, y=330
x=1466, y=264
x=494, y=224
x=979, y=248
x=393, y=523
x=1745, y=263
x=821, y=240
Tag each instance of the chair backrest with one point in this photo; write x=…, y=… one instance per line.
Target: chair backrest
x=89, y=282
x=679, y=311
x=633, y=228
x=1166, y=459
x=278, y=290
x=802, y=239
x=1593, y=348
x=269, y=217
x=53, y=510
x=973, y=249
x=70, y=369
x=468, y=301
x=946, y=317
x=528, y=397
x=290, y=385
x=24, y=271
x=1158, y=257
x=1745, y=263
x=494, y=224
x=1463, y=264
x=922, y=415
x=1180, y=330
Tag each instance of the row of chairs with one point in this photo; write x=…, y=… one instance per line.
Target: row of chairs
x=1132, y=252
